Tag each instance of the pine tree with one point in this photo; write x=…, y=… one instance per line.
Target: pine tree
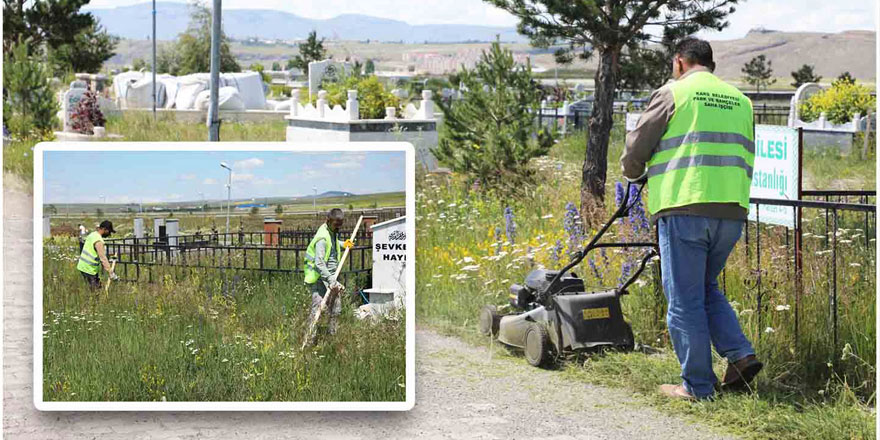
x=844, y=77
x=759, y=72
x=488, y=134
x=29, y=106
x=369, y=67
x=72, y=40
x=310, y=50
x=804, y=75
x=193, y=49
x=87, y=53
x=279, y=209
x=608, y=28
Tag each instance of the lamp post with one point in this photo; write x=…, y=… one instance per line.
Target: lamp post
x=314, y=200
x=228, y=195
x=154, y=61
x=202, y=198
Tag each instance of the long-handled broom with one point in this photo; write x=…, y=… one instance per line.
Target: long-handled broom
x=331, y=294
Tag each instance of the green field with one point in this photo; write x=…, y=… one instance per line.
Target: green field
x=206, y=336
x=467, y=259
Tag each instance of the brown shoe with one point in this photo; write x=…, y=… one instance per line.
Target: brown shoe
x=676, y=391
x=740, y=373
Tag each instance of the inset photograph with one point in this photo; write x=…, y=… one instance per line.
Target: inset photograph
x=180, y=276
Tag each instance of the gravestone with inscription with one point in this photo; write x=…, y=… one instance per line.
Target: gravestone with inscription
x=389, y=261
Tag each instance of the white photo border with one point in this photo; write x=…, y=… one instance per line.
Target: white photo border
x=44, y=147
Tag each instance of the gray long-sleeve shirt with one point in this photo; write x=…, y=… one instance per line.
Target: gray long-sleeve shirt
x=326, y=269
x=641, y=143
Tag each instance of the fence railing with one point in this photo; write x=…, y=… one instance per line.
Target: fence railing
x=577, y=119
x=139, y=259
x=861, y=213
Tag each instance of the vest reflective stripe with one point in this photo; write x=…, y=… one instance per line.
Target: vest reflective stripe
x=707, y=137
x=700, y=161
x=309, y=269
x=88, y=259
x=707, y=153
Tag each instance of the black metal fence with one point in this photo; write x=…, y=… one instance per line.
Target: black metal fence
x=140, y=259
x=577, y=119
x=858, y=209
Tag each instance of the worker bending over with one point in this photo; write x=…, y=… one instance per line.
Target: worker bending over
x=322, y=258
x=94, y=255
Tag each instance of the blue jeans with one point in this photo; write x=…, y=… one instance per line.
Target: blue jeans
x=693, y=251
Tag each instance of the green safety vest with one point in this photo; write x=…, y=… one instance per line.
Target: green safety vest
x=707, y=153
x=88, y=259
x=311, y=272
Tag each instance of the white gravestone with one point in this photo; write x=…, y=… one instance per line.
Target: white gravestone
x=389, y=261
x=319, y=69
x=138, y=228
x=71, y=98
x=632, y=121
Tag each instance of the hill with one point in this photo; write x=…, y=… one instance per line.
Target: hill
x=831, y=54
x=134, y=22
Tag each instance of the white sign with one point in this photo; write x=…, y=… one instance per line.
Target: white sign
x=775, y=174
x=632, y=119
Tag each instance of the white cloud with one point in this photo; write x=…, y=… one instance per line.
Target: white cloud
x=248, y=164
x=347, y=161
x=187, y=177
x=264, y=181
x=210, y=181
x=243, y=177
x=174, y=196
x=343, y=164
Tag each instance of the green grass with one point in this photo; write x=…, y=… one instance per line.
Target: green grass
x=206, y=337
x=18, y=160
x=809, y=389
x=829, y=170
x=139, y=127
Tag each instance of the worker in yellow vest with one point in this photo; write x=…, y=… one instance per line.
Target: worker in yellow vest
x=322, y=257
x=94, y=255
x=694, y=144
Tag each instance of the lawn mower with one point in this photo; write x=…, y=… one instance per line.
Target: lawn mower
x=554, y=314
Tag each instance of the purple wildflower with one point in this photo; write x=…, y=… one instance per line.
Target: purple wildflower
x=573, y=226
x=509, y=225
x=556, y=253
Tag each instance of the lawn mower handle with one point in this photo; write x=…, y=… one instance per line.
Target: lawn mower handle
x=622, y=211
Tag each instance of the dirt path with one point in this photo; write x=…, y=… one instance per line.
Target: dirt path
x=461, y=393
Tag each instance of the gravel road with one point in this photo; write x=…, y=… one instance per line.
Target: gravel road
x=462, y=392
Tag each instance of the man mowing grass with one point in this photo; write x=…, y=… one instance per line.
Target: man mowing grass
x=695, y=145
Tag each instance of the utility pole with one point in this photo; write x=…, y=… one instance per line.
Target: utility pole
x=213, y=110
x=154, y=61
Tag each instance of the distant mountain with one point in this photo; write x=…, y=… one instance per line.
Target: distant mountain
x=831, y=54
x=134, y=22
x=334, y=194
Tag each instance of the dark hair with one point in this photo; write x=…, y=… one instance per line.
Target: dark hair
x=695, y=51
x=335, y=214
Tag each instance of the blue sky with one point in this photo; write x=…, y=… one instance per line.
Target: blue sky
x=170, y=176
x=783, y=15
